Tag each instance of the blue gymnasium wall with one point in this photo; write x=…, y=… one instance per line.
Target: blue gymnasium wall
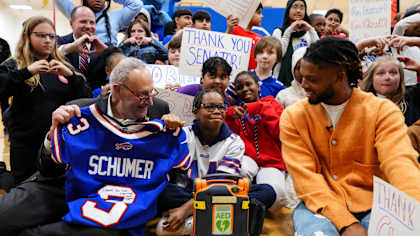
x=273, y=18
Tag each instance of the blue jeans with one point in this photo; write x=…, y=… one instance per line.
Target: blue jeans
x=307, y=223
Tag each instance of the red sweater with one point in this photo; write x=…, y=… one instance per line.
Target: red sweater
x=237, y=30
x=267, y=112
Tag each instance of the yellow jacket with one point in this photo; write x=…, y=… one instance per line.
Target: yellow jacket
x=333, y=169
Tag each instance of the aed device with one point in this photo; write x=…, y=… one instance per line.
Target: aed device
x=221, y=205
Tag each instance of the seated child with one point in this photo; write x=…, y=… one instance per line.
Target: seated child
x=139, y=43
x=295, y=92
x=214, y=149
x=318, y=22
x=268, y=52
x=215, y=74
x=333, y=20
x=256, y=121
x=201, y=20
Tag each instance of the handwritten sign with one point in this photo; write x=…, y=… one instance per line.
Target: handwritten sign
x=179, y=104
x=163, y=75
x=393, y=213
x=243, y=9
x=199, y=45
x=369, y=18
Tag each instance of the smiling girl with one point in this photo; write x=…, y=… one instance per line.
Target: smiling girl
x=296, y=32
x=141, y=44
x=385, y=78
x=40, y=80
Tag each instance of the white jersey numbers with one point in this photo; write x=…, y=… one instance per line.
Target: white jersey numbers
x=84, y=125
x=109, y=193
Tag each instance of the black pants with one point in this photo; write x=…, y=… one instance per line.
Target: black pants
x=23, y=154
x=65, y=229
x=36, y=201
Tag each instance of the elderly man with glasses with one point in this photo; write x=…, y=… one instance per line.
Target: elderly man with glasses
x=115, y=143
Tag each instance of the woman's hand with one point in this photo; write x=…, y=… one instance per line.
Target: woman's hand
x=300, y=25
x=131, y=41
x=56, y=67
x=41, y=66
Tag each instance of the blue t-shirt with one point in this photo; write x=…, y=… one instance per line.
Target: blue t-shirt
x=115, y=177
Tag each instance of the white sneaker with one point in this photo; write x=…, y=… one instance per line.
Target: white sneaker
x=185, y=229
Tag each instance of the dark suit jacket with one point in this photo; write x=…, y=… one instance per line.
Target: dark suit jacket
x=95, y=75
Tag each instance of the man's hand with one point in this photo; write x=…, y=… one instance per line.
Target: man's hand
x=62, y=115
x=177, y=216
x=97, y=46
x=172, y=122
x=355, y=229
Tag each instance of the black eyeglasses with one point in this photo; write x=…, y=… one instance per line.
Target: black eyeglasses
x=142, y=97
x=44, y=36
x=211, y=107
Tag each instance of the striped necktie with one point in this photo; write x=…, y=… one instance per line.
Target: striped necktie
x=83, y=60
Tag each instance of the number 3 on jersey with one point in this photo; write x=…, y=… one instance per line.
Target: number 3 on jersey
x=84, y=125
x=113, y=216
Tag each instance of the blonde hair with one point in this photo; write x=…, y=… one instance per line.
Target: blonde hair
x=25, y=54
x=367, y=83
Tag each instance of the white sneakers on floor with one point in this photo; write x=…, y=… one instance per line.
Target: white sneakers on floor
x=186, y=229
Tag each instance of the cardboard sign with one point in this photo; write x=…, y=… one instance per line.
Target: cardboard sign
x=369, y=18
x=179, y=104
x=394, y=213
x=163, y=75
x=243, y=9
x=199, y=45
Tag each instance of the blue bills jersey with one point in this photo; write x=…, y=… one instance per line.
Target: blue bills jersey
x=115, y=177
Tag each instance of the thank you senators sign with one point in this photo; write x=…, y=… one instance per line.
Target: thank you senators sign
x=393, y=213
x=199, y=45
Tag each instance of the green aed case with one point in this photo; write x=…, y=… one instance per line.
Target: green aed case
x=221, y=205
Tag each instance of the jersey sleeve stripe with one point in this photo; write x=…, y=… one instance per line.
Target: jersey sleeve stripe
x=57, y=153
x=185, y=163
x=229, y=166
x=231, y=163
x=232, y=159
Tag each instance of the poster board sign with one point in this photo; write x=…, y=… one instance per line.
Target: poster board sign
x=369, y=18
x=199, y=45
x=164, y=74
x=179, y=104
x=394, y=212
x=243, y=9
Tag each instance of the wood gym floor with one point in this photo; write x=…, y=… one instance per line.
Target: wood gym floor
x=275, y=224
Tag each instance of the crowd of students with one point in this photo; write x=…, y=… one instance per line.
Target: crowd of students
x=241, y=125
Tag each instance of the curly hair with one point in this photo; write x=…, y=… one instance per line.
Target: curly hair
x=334, y=51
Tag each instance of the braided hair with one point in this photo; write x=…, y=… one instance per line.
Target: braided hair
x=334, y=51
x=104, y=14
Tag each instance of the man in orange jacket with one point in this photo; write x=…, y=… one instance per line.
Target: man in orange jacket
x=337, y=139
